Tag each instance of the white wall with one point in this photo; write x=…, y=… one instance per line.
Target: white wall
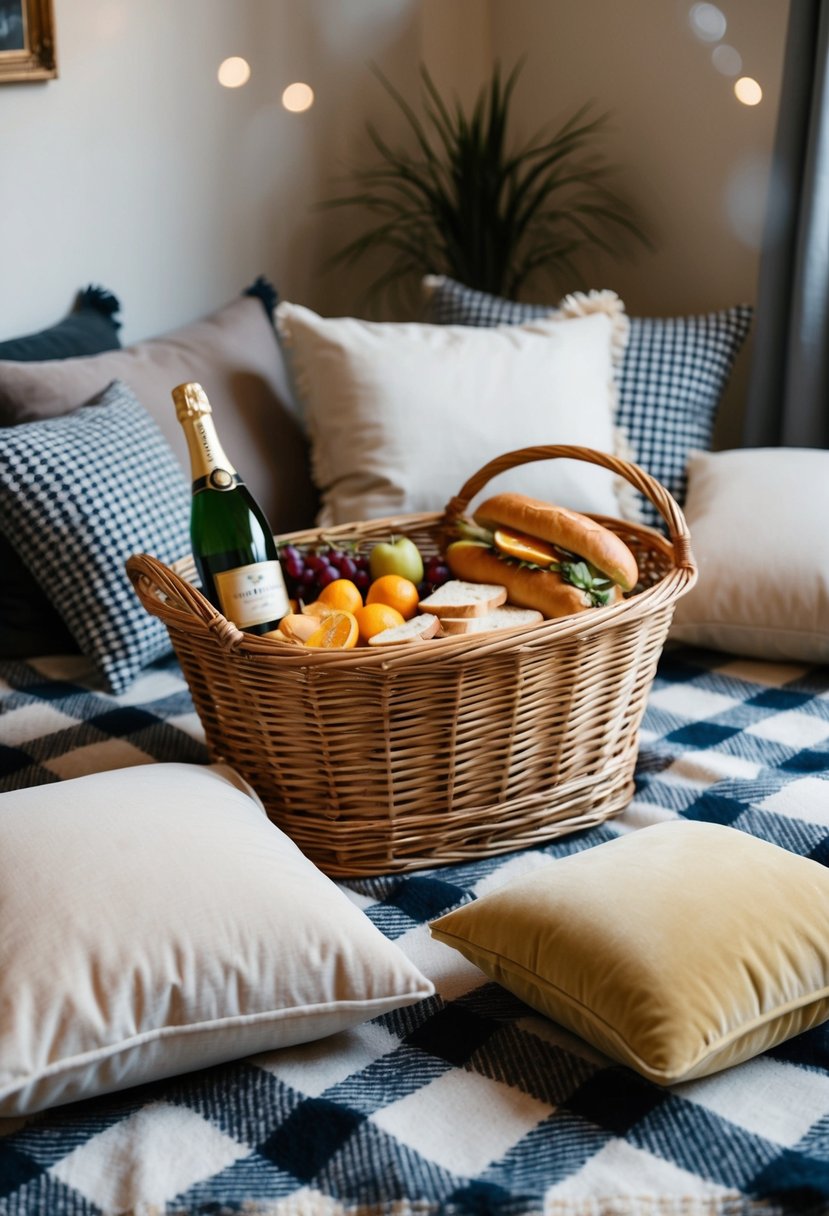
x=694, y=158
x=692, y=155
x=137, y=170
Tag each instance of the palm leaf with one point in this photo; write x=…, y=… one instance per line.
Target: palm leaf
x=469, y=203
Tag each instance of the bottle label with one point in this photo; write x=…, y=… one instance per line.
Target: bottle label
x=252, y=595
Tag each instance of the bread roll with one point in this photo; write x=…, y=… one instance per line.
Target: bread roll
x=570, y=530
x=540, y=589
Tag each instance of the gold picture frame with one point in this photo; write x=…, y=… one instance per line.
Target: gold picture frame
x=27, y=41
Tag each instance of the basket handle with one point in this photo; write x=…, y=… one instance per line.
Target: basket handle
x=174, y=601
x=653, y=490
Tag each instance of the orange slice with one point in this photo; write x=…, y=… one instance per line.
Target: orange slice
x=525, y=548
x=318, y=609
x=295, y=627
x=338, y=630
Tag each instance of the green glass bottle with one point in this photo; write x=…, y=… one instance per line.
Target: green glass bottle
x=232, y=543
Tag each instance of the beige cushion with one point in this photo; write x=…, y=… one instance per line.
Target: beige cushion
x=153, y=921
x=400, y=415
x=678, y=949
x=234, y=354
x=758, y=522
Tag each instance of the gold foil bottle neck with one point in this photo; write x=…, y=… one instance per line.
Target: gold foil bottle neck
x=190, y=401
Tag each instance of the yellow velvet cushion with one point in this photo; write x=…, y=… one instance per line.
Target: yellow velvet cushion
x=679, y=949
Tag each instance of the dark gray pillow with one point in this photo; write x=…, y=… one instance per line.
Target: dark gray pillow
x=90, y=328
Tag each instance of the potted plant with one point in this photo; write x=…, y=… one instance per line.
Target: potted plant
x=469, y=203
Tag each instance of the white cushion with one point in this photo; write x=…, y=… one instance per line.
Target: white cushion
x=401, y=414
x=671, y=378
x=758, y=523
x=153, y=921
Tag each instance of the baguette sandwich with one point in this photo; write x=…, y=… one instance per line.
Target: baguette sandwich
x=548, y=558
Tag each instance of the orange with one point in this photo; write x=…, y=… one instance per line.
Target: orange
x=395, y=591
x=337, y=630
x=525, y=548
x=374, y=618
x=342, y=594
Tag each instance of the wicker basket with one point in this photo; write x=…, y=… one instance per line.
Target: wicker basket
x=388, y=759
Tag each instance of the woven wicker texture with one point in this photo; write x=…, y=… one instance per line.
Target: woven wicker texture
x=416, y=755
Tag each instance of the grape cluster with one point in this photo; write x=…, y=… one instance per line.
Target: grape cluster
x=307, y=571
x=435, y=574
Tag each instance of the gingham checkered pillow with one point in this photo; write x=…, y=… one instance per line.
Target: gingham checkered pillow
x=672, y=378
x=78, y=495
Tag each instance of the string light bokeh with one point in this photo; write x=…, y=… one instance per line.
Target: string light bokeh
x=709, y=24
x=234, y=72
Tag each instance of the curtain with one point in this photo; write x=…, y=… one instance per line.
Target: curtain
x=788, y=393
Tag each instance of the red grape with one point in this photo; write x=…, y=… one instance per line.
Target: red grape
x=326, y=576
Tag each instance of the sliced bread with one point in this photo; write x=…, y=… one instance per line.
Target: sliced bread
x=459, y=599
x=418, y=629
x=505, y=617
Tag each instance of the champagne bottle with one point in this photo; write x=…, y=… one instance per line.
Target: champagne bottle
x=232, y=543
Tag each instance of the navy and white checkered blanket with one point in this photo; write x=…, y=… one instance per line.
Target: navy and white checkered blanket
x=469, y=1103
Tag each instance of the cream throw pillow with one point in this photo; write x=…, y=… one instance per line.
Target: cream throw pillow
x=153, y=921
x=678, y=949
x=759, y=523
x=401, y=414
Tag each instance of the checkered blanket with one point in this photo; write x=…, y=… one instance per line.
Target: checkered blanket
x=469, y=1103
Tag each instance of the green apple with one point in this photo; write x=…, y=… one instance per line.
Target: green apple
x=396, y=556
